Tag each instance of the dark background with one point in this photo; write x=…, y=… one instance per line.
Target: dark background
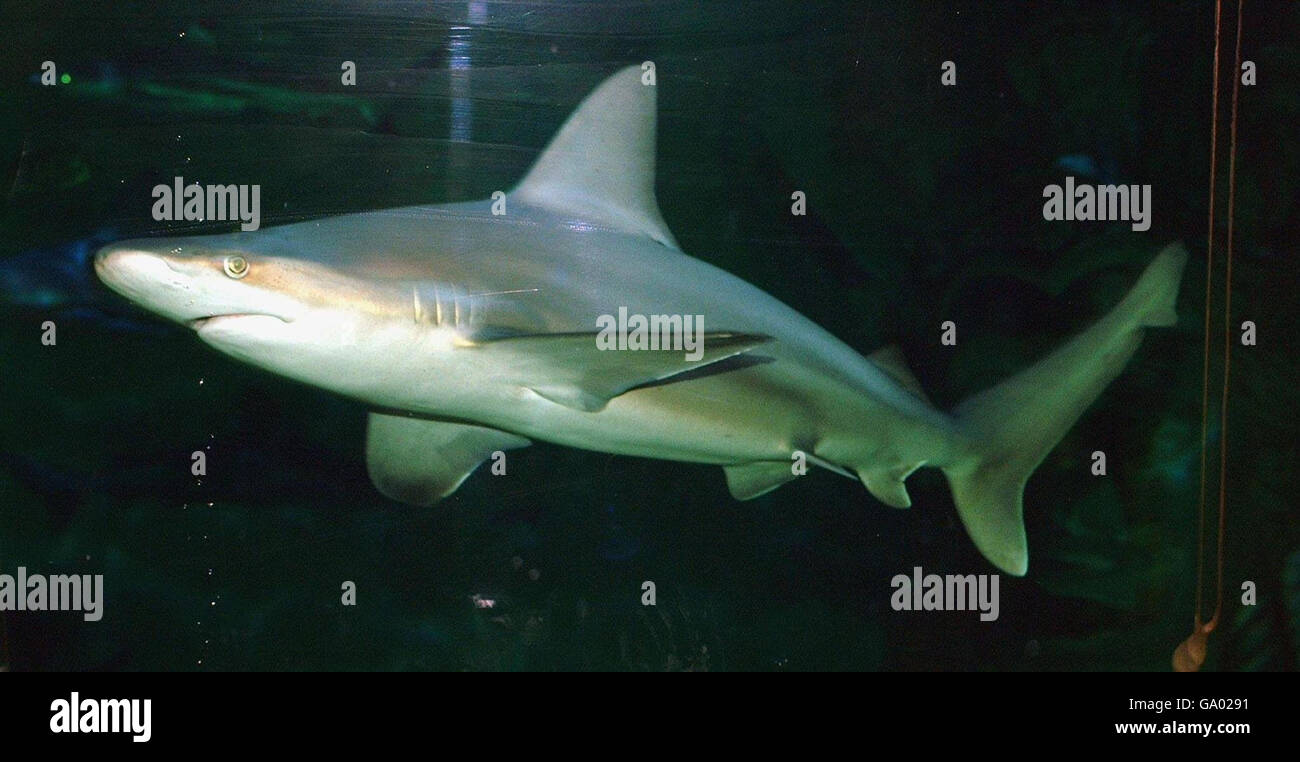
x=924, y=206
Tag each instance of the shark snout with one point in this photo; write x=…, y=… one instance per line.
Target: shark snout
x=135, y=272
x=180, y=281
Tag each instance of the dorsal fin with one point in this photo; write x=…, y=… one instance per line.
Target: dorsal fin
x=600, y=166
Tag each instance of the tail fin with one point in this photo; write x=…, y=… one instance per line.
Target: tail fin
x=1016, y=423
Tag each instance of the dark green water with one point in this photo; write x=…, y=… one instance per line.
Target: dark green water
x=924, y=206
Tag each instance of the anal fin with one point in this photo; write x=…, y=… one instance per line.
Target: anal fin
x=887, y=486
x=418, y=461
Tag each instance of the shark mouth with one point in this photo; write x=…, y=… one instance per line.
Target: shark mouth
x=199, y=324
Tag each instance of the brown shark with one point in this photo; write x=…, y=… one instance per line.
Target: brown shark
x=469, y=333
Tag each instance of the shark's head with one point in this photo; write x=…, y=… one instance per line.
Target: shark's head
x=287, y=314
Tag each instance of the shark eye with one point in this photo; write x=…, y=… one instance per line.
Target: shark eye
x=236, y=266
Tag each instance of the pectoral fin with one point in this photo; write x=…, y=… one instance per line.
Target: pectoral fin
x=417, y=461
x=571, y=369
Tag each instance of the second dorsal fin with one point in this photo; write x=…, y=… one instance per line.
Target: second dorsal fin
x=890, y=360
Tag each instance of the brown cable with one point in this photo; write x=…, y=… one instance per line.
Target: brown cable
x=1209, y=280
x=1227, y=324
x=1191, y=653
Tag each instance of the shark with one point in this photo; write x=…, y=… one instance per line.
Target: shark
x=469, y=329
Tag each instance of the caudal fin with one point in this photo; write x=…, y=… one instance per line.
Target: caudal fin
x=1015, y=424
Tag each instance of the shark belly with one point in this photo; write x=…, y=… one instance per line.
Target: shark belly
x=745, y=416
x=761, y=412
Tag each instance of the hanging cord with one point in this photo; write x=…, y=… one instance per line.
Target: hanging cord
x=1190, y=654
